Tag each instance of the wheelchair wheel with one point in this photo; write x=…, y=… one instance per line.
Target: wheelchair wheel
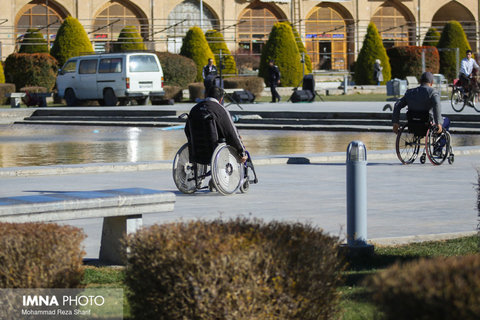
x=183, y=171
x=437, y=146
x=407, y=145
x=457, y=100
x=227, y=169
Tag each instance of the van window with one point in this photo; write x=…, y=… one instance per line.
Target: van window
x=70, y=66
x=88, y=66
x=110, y=65
x=139, y=63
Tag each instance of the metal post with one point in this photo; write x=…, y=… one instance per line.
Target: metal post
x=345, y=83
x=423, y=61
x=357, y=198
x=457, y=59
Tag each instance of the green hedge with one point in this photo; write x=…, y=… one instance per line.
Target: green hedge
x=253, y=84
x=238, y=269
x=33, y=42
x=195, y=47
x=71, y=41
x=431, y=38
x=129, y=39
x=2, y=74
x=37, y=69
x=4, y=89
x=177, y=69
x=452, y=37
x=371, y=50
x=282, y=47
x=407, y=61
x=216, y=43
x=439, y=288
x=38, y=255
x=196, y=91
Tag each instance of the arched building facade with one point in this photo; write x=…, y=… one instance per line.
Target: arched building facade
x=332, y=31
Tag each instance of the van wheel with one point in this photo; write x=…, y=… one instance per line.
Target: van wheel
x=110, y=98
x=70, y=98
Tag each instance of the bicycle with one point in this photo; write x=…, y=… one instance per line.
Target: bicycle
x=458, y=92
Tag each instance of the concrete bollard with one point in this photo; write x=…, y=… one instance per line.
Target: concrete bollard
x=357, y=198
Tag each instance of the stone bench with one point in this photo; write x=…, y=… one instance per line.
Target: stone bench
x=15, y=98
x=121, y=210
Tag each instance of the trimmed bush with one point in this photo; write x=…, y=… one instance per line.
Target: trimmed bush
x=253, y=84
x=238, y=269
x=196, y=91
x=177, y=70
x=37, y=69
x=440, y=288
x=195, y=47
x=71, y=41
x=282, y=47
x=407, y=61
x=372, y=49
x=40, y=255
x=431, y=38
x=247, y=63
x=129, y=39
x=33, y=42
x=2, y=74
x=4, y=89
x=216, y=43
x=302, y=49
x=452, y=37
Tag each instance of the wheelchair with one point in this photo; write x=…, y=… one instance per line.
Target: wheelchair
x=436, y=147
x=195, y=164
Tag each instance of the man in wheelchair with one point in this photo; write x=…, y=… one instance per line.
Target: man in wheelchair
x=424, y=120
x=210, y=123
x=423, y=99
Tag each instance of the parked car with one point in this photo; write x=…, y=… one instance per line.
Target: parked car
x=111, y=78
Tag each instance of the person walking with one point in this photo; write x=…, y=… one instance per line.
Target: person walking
x=209, y=73
x=377, y=72
x=274, y=81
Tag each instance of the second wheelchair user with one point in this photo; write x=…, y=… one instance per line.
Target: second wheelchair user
x=226, y=130
x=423, y=98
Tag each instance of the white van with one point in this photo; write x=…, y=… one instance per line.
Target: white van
x=111, y=78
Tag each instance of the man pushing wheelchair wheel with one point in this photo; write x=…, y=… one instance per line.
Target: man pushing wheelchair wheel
x=214, y=148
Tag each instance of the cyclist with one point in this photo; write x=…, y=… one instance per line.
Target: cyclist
x=465, y=76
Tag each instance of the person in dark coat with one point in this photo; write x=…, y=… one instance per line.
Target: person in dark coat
x=274, y=80
x=199, y=129
x=209, y=73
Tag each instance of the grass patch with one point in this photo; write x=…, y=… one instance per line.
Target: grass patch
x=356, y=303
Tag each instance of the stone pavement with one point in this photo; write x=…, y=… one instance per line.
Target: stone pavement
x=404, y=202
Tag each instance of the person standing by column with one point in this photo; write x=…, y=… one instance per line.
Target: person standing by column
x=209, y=73
x=274, y=81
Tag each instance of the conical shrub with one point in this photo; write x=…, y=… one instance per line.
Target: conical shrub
x=372, y=49
x=2, y=74
x=302, y=49
x=33, y=42
x=71, y=41
x=217, y=43
x=195, y=47
x=129, y=39
x=452, y=37
x=282, y=47
x=431, y=38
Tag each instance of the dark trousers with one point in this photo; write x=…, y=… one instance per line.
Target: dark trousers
x=275, y=95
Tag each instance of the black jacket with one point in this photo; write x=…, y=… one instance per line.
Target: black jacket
x=208, y=123
x=274, y=74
